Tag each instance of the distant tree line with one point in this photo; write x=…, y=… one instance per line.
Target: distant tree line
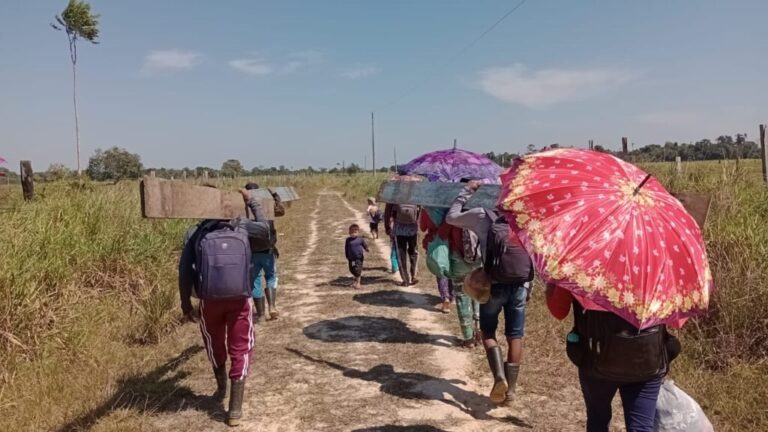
x=117, y=164
x=724, y=147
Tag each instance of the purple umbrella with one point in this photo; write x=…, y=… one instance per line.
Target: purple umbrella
x=452, y=166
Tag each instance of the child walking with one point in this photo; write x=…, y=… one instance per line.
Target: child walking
x=355, y=249
x=374, y=217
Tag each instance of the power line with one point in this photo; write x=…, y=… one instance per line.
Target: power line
x=450, y=60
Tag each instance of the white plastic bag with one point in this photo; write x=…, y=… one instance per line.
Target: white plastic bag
x=678, y=412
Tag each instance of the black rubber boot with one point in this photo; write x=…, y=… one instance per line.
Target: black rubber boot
x=236, y=390
x=221, y=382
x=500, y=385
x=272, y=300
x=258, y=314
x=511, y=370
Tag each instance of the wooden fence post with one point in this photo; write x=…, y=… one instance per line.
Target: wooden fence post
x=27, y=180
x=763, y=153
x=624, y=149
x=679, y=165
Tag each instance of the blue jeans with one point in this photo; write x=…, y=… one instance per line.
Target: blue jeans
x=638, y=400
x=267, y=264
x=510, y=298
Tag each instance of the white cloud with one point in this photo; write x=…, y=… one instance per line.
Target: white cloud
x=538, y=89
x=301, y=59
x=668, y=118
x=360, y=72
x=170, y=60
x=291, y=63
x=252, y=66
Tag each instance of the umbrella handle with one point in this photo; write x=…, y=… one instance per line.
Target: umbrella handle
x=637, y=189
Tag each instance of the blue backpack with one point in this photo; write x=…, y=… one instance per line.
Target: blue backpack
x=223, y=260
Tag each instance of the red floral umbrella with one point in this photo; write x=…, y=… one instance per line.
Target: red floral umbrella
x=609, y=233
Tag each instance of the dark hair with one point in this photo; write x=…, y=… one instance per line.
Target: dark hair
x=354, y=226
x=251, y=186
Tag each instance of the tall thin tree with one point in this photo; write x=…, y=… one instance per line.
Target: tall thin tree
x=77, y=22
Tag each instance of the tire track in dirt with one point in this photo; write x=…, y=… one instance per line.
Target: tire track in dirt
x=453, y=362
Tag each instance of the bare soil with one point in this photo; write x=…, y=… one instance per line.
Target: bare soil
x=381, y=358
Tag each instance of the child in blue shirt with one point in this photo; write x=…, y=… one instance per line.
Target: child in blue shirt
x=355, y=249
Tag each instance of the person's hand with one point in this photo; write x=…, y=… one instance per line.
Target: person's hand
x=474, y=185
x=189, y=317
x=246, y=194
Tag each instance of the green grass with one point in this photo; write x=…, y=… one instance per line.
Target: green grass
x=724, y=364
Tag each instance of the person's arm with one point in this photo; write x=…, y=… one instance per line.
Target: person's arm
x=472, y=219
x=558, y=301
x=365, y=246
x=254, y=205
x=187, y=275
x=389, y=214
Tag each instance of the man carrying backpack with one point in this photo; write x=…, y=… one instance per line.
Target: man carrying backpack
x=215, y=263
x=264, y=261
x=402, y=220
x=509, y=269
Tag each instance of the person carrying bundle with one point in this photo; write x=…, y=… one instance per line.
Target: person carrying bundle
x=215, y=266
x=507, y=269
x=402, y=221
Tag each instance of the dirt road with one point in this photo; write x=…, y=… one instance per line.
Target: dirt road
x=377, y=359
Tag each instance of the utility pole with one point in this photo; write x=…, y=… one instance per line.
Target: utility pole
x=764, y=152
x=373, y=147
x=396, y=169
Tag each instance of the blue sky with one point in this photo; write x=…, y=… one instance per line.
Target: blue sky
x=293, y=82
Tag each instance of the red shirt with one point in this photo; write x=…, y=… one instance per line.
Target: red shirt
x=559, y=302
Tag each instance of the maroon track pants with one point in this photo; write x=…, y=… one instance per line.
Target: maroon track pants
x=227, y=328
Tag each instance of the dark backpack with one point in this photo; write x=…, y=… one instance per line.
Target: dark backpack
x=611, y=349
x=506, y=261
x=376, y=218
x=266, y=241
x=222, y=262
x=407, y=214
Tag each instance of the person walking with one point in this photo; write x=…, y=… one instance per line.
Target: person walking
x=638, y=381
x=355, y=248
x=215, y=267
x=265, y=262
x=507, y=267
x=374, y=217
x=402, y=220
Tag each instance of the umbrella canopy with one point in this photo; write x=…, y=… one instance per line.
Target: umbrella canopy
x=609, y=233
x=452, y=166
